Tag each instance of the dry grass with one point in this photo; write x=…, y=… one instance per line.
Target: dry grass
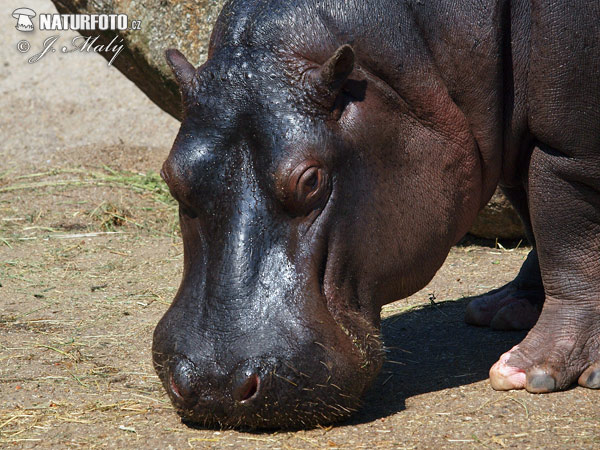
x=126, y=201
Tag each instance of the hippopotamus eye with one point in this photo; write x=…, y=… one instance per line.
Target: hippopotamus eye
x=306, y=187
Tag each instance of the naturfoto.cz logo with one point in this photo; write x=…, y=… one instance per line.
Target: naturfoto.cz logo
x=24, y=16
x=74, y=22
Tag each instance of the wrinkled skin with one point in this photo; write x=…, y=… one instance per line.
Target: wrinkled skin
x=330, y=155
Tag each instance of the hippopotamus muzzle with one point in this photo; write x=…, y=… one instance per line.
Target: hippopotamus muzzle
x=262, y=349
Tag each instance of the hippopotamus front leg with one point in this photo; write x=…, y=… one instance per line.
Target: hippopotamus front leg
x=563, y=193
x=564, y=345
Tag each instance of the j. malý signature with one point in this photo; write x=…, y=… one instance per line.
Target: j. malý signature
x=80, y=44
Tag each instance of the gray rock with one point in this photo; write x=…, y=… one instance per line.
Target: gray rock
x=182, y=24
x=498, y=220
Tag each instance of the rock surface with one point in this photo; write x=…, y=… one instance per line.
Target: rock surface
x=186, y=25
x=182, y=24
x=498, y=220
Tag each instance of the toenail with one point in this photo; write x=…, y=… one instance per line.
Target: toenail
x=541, y=382
x=593, y=380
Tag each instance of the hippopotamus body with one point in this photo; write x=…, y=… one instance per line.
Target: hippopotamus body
x=332, y=152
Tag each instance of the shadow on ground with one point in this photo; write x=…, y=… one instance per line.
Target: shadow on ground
x=431, y=348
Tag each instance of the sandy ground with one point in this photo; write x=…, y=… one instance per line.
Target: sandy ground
x=90, y=257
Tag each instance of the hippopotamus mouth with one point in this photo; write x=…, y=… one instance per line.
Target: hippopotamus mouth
x=274, y=392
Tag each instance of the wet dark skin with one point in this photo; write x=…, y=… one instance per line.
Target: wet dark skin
x=331, y=154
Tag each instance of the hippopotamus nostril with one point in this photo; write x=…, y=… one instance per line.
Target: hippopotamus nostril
x=183, y=380
x=174, y=388
x=246, y=388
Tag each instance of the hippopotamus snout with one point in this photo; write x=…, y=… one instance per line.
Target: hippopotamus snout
x=192, y=388
x=207, y=396
x=262, y=380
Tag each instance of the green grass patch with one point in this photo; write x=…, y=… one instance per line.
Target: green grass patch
x=149, y=182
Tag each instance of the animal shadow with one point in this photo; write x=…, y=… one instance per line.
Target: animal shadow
x=429, y=349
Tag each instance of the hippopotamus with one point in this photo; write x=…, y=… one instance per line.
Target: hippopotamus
x=330, y=155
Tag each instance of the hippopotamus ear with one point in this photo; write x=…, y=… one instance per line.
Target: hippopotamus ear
x=183, y=70
x=327, y=80
x=338, y=68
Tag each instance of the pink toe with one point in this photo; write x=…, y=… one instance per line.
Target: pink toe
x=504, y=377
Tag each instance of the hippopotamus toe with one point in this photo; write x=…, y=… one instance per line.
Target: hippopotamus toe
x=590, y=378
x=549, y=359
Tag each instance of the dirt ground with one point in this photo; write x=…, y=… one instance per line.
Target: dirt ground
x=90, y=257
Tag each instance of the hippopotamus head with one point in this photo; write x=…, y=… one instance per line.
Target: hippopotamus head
x=303, y=187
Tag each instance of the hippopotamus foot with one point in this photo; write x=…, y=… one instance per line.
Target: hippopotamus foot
x=514, y=306
x=506, y=308
x=562, y=348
